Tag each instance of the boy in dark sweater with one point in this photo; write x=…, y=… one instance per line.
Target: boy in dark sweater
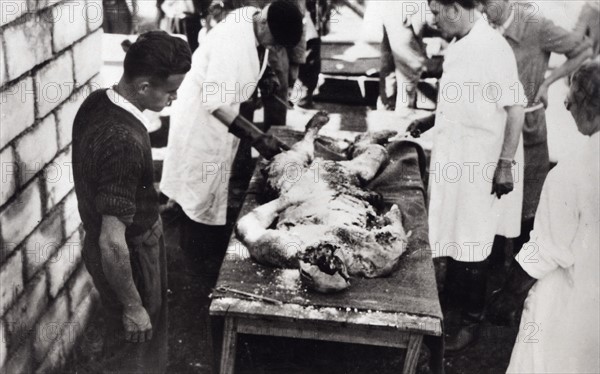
x=112, y=163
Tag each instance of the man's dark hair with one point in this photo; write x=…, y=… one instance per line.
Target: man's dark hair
x=285, y=22
x=467, y=4
x=157, y=55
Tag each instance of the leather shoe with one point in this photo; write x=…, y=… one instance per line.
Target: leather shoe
x=463, y=338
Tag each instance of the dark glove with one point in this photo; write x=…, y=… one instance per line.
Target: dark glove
x=267, y=145
x=268, y=83
x=503, y=179
x=419, y=126
x=506, y=304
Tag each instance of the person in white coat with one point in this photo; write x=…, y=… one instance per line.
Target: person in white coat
x=478, y=122
x=205, y=121
x=557, y=271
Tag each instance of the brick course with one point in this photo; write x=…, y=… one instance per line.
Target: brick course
x=54, y=84
x=32, y=155
x=87, y=63
x=63, y=263
x=69, y=24
x=9, y=174
x=22, y=216
x=21, y=319
x=50, y=54
x=28, y=44
x=43, y=244
x=11, y=278
x=59, y=179
x=19, y=97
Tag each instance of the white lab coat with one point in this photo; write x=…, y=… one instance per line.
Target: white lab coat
x=225, y=71
x=480, y=79
x=560, y=324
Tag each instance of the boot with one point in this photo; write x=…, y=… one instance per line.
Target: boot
x=464, y=337
x=475, y=282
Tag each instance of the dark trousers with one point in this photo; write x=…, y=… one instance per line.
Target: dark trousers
x=117, y=17
x=149, y=266
x=310, y=70
x=275, y=111
x=204, y=246
x=466, y=285
x=191, y=28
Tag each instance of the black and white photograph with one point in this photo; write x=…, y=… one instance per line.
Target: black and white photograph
x=300, y=186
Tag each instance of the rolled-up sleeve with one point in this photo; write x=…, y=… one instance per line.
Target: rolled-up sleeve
x=555, y=39
x=556, y=224
x=505, y=76
x=118, y=173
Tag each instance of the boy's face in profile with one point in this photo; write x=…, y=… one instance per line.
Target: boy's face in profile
x=161, y=93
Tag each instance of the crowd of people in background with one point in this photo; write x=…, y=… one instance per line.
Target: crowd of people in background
x=270, y=46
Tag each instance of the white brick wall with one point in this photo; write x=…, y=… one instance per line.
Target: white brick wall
x=27, y=45
x=23, y=316
x=65, y=115
x=34, y=6
x=22, y=216
x=8, y=172
x=81, y=287
x=63, y=263
x=20, y=98
x=19, y=361
x=3, y=340
x=11, y=279
x=37, y=148
x=71, y=214
x=59, y=185
x=87, y=63
x=59, y=352
x=95, y=14
x=42, y=244
x=11, y=10
x=69, y=24
x=54, y=84
x=2, y=63
x=48, y=334
x=44, y=51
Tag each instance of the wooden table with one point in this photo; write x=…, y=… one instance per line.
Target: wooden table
x=396, y=311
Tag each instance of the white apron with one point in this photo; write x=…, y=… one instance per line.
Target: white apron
x=480, y=79
x=225, y=71
x=560, y=331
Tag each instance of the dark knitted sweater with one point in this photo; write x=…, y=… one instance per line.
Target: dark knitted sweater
x=112, y=167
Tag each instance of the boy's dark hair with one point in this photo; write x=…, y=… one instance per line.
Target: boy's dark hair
x=157, y=55
x=467, y=4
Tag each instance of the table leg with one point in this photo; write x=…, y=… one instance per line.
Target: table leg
x=229, y=346
x=412, y=353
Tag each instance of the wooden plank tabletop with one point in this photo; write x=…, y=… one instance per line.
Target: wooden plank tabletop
x=406, y=300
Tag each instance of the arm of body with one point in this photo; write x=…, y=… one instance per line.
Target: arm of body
x=419, y=126
x=117, y=268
